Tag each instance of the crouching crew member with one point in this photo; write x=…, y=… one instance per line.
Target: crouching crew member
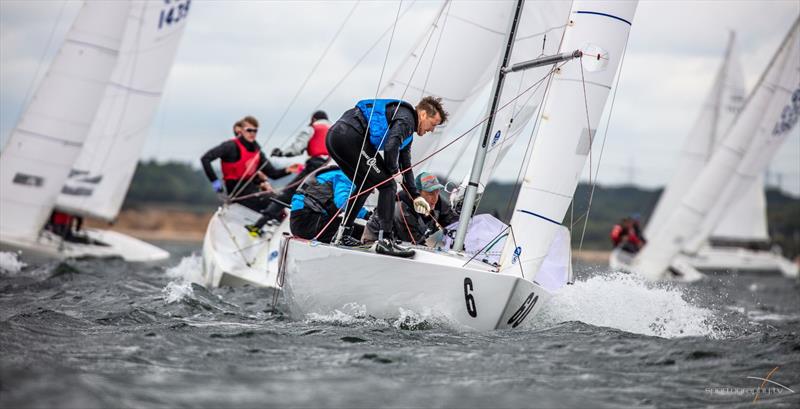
x=317, y=201
x=409, y=224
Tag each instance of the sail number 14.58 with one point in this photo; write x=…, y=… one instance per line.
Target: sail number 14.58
x=173, y=12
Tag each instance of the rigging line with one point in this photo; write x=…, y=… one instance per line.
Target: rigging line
x=603, y=145
x=353, y=68
x=310, y=74
x=27, y=100
x=429, y=213
x=468, y=131
x=347, y=208
x=341, y=80
x=405, y=222
x=514, y=240
x=436, y=49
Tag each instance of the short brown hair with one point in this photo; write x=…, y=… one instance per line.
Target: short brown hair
x=249, y=119
x=432, y=105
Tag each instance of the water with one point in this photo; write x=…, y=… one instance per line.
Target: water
x=104, y=333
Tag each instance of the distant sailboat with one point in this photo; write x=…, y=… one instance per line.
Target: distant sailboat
x=321, y=278
x=76, y=146
x=768, y=118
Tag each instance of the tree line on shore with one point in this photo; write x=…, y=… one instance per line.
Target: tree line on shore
x=181, y=185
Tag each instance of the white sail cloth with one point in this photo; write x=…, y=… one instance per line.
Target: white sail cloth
x=564, y=138
x=51, y=132
x=100, y=177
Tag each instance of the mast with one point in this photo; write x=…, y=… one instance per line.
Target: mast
x=480, y=154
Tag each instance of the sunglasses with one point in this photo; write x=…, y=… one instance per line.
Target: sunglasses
x=251, y=130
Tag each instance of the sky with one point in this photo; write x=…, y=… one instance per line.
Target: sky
x=250, y=57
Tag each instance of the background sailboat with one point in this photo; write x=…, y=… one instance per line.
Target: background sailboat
x=76, y=145
x=767, y=119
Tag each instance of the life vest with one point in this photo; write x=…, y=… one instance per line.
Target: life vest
x=60, y=218
x=374, y=111
x=246, y=166
x=616, y=234
x=316, y=145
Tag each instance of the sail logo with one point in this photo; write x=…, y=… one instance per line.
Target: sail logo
x=496, y=138
x=789, y=116
x=173, y=12
x=517, y=253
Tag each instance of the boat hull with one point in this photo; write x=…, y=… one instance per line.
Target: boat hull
x=322, y=279
x=117, y=245
x=231, y=257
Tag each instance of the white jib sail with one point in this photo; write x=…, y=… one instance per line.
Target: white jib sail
x=447, y=68
x=723, y=102
x=763, y=109
x=560, y=149
x=50, y=133
x=102, y=173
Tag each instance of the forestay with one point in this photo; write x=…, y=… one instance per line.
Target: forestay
x=746, y=147
x=102, y=173
x=562, y=143
x=42, y=148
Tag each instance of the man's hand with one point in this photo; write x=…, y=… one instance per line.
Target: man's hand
x=295, y=168
x=277, y=152
x=421, y=206
x=218, y=186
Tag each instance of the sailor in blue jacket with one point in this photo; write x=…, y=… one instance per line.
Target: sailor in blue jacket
x=386, y=125
x=317, y=200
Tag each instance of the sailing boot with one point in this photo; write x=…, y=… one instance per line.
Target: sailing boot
x=389, y=248
x=254, y=231
x=348, y=240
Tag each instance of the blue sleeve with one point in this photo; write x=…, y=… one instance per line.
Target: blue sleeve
x=341, y=190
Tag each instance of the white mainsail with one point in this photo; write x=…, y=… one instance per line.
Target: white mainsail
x=723, y=102
x=42, y=148
x=745, y=220
x=745, y=149
x=600, y=29
x=102, y=173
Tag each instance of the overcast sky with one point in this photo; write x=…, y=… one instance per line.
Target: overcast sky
x=251, y=56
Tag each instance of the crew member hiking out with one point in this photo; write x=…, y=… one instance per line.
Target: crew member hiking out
x=317, y=200
x=409, y=224
x=311, y=140
x=386, y=125
x=244, y=169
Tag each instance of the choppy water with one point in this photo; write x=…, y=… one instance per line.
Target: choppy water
x=104, y=333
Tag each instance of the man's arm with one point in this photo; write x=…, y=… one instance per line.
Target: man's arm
x=300, y=142
x=221, y=151
x=271, y=171
x=408, y=176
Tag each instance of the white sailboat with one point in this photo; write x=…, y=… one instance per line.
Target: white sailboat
x=450, y=284
x=76, y=145
x=768, y=118
x=438, y=65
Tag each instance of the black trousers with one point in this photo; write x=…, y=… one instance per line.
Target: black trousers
x=344, y=146
x=275, y=210
x=306, y=223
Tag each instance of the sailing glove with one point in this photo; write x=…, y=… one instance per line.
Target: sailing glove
x=218, y=186
x=421, y=206
x=277, y=152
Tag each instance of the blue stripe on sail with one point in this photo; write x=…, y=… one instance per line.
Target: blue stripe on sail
x=604, y=14
x=539, y=216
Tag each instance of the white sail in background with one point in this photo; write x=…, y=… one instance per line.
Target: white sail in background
x=743, y=151
x=50, y=133
x=447, y=68
x=723, y=102
x=745, y=220
x=564, y=138
x=102, y=173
